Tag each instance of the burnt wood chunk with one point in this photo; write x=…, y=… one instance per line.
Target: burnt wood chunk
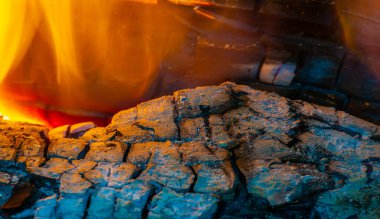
x=223, y=151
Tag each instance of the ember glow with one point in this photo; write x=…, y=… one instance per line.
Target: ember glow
x=12, y=112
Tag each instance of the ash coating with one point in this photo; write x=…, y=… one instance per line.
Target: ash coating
x=225, y=151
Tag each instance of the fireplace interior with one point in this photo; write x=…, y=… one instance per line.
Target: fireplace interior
x=189, y=109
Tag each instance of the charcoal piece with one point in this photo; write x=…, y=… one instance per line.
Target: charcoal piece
x=154, y=153
x=158, y=115
x=246, y=124
x=120, y=175
x=66, y=148
x=194, y=153
x=23, y=128
x=154, y=119
x=326, y=114
x=219, y=135
x=176, y=177
x=336, y=145
x=132, y=200
x=53, y=168
x=7, y=141
x=111, y=174
x=31, y=147
x=82, y=166
x=99, y=175
x=191, y=102
x=73, y=183
x=20, y=131
x=269, y=105
x=124, y=118
x=102, y=203
x=140, y=154
x=356, y=199
x=280, y=62
x=282, y=183
x=357, y=125
x=21, y=143
x=134, y=133
x=193, y=129
x=31, y=162
x=98, y=134
x=72, y=206
x=111, y=151
x=216, y=179
x=264, y=148
x=8, y=154
x=168, y=203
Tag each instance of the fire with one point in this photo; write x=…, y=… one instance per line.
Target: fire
x=18, y=20
x=11, y=112
x=87, y=54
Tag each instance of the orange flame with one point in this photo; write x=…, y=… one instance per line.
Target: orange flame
x=87, y=53
x=18, y=22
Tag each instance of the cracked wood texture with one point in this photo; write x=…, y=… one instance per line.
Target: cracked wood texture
x=225, y=151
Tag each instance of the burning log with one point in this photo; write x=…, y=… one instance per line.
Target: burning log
x=215, y=151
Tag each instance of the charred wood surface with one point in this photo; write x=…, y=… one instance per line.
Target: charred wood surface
x=225, y=151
